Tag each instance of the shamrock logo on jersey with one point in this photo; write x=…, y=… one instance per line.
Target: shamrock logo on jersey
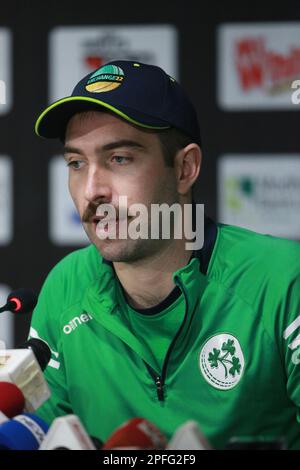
x=222, y=361
x=215, y=358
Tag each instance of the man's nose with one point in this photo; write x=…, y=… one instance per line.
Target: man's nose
x=97, y=185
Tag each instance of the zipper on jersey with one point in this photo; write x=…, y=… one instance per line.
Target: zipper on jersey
x=160, y=380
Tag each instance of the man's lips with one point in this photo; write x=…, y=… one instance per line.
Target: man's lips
x=95, y=220
x=104, y=224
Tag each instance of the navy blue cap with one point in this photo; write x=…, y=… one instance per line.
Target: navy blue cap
x=142, y=94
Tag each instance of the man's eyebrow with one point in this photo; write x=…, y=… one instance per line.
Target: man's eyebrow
x=104, y=148
x=68, y=149
x=121, y=143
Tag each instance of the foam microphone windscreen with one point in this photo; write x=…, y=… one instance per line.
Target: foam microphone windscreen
x=23, y=432
x=12, y=401
x=136, y=433
x=40, y=349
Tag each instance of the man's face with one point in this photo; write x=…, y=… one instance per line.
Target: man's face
x=108, y=158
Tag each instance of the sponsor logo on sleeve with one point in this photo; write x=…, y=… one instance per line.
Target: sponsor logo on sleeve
x=294, y=345
x=75, y=322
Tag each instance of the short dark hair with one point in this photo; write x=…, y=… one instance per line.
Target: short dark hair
x=172, y=140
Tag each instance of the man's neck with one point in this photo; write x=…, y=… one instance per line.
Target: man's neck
x=148, y=282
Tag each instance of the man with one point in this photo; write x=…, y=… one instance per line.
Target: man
x=144, y=326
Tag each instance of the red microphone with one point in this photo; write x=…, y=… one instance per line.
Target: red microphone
x=12, y=401
x=137, y=433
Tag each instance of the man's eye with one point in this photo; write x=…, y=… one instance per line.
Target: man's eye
x=75, y=164
x=120, y=159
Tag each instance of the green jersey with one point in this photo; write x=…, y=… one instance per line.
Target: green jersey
x=224, y=351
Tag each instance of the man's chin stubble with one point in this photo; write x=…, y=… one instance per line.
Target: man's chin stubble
x=120, y=251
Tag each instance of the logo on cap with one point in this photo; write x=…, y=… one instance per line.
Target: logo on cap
x=107, y=78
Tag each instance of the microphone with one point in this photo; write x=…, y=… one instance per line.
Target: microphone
x=24, y=432
x=137, y=433
x=12, y=401
x=21, y=367
x=189, y=437
x=67, y=433
x=20, y=301
x=40, y=349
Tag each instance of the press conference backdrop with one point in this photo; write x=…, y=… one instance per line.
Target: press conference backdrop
x=238, y=67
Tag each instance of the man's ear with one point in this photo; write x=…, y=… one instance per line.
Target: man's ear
x=187, y=166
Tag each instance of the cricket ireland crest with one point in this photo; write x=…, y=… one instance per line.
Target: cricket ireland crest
x=222, y=361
